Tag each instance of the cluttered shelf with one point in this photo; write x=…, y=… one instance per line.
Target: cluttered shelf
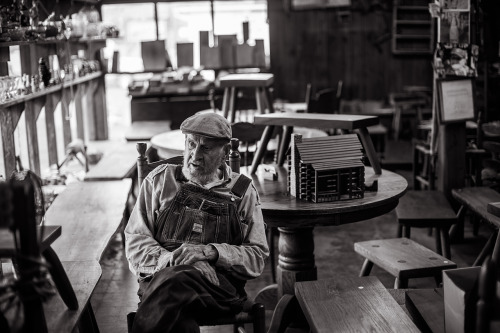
x=50, y=89
x=53, y=41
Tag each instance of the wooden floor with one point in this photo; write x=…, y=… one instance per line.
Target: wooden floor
x=115, y=295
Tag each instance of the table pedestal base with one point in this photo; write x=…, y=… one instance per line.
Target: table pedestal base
x=296, y=258
x=295, y=264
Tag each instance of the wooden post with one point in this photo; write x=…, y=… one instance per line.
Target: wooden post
x=90, y=90
x=451, y=157
x=50, y=106
x=80, y=123
x=31, y=113
x=65, y=103
x=234, y=156
x=4, y=59
x=9, y=117
x=100, y=111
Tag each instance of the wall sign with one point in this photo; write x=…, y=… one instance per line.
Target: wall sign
x=456, y=99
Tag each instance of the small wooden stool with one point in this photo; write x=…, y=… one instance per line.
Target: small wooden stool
x=403, y=259
x=232, y=82
x=427, y=209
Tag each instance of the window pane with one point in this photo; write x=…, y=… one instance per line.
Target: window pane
x=181, y=22
x=136, y=23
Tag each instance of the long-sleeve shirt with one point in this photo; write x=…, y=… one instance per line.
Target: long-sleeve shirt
x=146, y=256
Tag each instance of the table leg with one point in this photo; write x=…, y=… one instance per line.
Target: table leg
x=285, y=142
x=258, y=100
x=296, y=258
x=225, y=102
x=269, y=99
x=295, y=264
x=366, y=140
x=261, y=150
x=232, y=105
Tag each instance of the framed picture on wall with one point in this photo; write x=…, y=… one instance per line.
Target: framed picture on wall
x=456, y=99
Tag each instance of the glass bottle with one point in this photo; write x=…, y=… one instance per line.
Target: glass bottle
x=453, y=29
x=24, y=14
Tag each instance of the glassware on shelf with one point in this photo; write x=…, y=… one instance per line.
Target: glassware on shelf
x=68, y=27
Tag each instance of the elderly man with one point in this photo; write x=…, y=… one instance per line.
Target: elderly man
x=195, y=235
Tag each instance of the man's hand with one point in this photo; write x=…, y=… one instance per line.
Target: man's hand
x=187, y=254
x=207, y=271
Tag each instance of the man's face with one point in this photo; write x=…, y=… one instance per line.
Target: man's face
x=202, y=158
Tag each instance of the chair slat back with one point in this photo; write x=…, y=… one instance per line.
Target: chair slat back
x=144, y=167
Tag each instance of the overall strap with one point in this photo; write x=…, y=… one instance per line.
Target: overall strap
x=240, y=186
x=179, y=176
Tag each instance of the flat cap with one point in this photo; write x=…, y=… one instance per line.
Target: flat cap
x=209, y=124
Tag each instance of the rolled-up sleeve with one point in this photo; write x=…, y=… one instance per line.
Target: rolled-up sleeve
x=246, y=261
x=145, y=255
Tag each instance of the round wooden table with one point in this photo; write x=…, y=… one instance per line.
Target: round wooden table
x=296, y=220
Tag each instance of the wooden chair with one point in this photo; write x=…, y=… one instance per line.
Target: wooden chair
x=428, y=209
x=325, y=100
x=487, y=318
x=253, y=313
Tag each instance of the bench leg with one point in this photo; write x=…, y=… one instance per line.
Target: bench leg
x=487, y=249
x=400, y=231
x=63, y=285
x=406, y=231
x=445, y=242
x=439, y=279
x=437, y=238
x=87, y=321
x=366, y=268
x=400, y=283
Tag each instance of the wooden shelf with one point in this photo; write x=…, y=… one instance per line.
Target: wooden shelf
x=413, y=22
x=51, y=89
x=412, y=29
x=412, y=37
x=55, y=41
x=412, y=8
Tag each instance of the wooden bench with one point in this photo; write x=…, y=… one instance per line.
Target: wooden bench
x=89, y=214
x=402, y=258
x=118, y=161
x=476, y=199
x=351, y=305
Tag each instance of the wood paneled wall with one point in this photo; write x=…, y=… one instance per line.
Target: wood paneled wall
x=322, y=47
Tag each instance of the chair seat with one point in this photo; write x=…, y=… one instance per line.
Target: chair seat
x=403, y=258
x=423, y=209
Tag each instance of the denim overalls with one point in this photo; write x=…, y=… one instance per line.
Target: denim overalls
x=200, y=216
x=197, y=216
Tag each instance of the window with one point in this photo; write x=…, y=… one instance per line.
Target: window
x=181, y=22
